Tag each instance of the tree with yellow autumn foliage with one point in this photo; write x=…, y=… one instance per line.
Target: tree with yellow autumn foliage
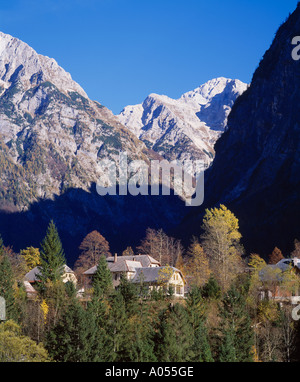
x=197, y=265
x=221, y=242
x=31, y=256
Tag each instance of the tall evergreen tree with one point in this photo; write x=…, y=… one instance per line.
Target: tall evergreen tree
x=211, y=289
x=98, y=308
x=175, y=335
x=140, y=347
x=102, y=280
x=196, y=311
x=236, y=340
x=227, y=347
x=74, y=337
x=118, y=328
x=52, y=256
x=140, y=329
x=130, y=295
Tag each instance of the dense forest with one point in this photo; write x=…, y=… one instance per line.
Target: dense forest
x=226, y=315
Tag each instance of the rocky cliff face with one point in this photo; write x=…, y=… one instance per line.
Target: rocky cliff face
x=52, y=134
x=186, y=128
x=52, y=137
x=256, y=171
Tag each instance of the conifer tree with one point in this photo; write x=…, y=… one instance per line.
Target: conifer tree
x=52, y=256
x=74, y=337
x=141, y=333
x=117, y=329
x=196, y=311
x=98, y=308
x=201, y=346
x=141, y=346
x=175, y=335
x=140, y=330
x=211, y=289
x=235, y=328
x=227, y=348
x=130, y=294
x=102, y=280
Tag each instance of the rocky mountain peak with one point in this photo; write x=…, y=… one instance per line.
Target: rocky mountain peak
x=188, y=127
x=21, y=64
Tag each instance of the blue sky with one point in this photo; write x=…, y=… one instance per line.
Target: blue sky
x=122, y=50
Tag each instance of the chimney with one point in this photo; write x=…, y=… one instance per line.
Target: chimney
x=115, y=258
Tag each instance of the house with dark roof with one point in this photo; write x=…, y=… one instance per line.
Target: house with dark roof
x=33, y=276
x=122, y=265
x=141, y=269
x=273, y=278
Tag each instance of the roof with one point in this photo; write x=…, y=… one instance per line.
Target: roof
x=126, y=264
x=145, y=260
x=32, y=275
x=273, y=272
x=152, y=275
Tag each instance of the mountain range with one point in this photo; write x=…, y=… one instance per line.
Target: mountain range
x=186, y=128
x=52, y=137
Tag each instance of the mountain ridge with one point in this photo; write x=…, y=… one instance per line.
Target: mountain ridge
x=256, y=168
x=52, y=139
x=188, y=127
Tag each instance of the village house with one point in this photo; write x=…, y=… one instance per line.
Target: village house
x=272, y=276
x=140, y=268
x=32, y=277
x=161, y=278
x=121, y=265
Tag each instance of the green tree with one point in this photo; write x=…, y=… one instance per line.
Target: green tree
x=7, y=285
x=102, y=280
x=118, y=328
x=175, y=335
x=98, y=308
x=74, y=337
x=129, y=292
x=227, y=348
x=236, y=334
x=211, y=289
x=52, y=256
x=196, y=310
